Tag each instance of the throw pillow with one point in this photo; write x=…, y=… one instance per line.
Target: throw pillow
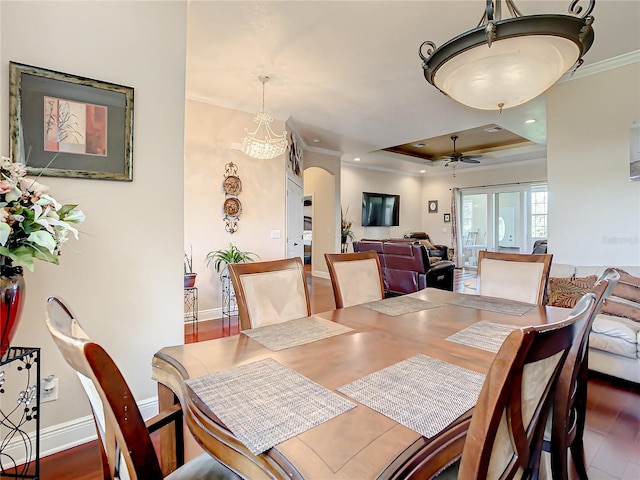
x=625, y=298
x=427, y=244
x=566, y=292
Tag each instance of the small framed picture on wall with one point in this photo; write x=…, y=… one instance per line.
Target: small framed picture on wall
x=432, y=206
x=447, y=218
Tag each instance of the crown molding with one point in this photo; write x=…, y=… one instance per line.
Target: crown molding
x=604, y=65
x=291, y=125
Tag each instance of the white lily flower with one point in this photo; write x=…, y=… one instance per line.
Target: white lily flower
x=5, y=230
x=13, y=196
x=74, y=216
x=44, y=239
x=64, y=226
x=48, y=200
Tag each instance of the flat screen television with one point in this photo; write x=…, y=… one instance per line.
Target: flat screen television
x=380, y=210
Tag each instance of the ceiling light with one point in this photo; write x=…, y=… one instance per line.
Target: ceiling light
x=504, y=63
x=357, y=159
x=420, y=145
x=263, y=143
x=531, y=120
x=422, y=171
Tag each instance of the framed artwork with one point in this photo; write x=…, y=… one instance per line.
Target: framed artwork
x=432, y=206
x=447, y=218
x=62, y=125
x=294, y=163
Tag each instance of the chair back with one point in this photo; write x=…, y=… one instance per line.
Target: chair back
x=356, y=277
x=514, y=276
x=126, y=447
x=270, y=292
x=505, y=435
x=570, y=403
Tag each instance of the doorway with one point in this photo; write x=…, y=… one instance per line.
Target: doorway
x=504, y=218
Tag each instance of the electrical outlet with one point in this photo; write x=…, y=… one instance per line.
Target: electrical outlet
x=49, y=389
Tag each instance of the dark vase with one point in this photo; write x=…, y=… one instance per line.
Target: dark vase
x=12, y=298
x=344, y=240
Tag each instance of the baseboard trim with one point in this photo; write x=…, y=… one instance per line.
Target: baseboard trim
x=67, y=435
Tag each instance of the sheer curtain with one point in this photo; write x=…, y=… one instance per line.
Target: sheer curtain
x=454, y=226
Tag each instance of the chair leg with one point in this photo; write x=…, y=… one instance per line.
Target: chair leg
x=577, y=454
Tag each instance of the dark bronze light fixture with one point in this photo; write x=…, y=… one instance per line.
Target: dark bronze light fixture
x=504, y=63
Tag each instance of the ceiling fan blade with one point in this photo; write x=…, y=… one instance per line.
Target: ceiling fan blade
x=469, y=160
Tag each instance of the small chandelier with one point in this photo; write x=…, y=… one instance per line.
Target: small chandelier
x=263, y=143
x=504, y=63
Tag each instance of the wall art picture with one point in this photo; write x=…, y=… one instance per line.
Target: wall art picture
x=63, y=125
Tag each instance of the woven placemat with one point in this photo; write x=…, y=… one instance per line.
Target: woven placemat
x=484, y=335
x=421, y=393
x=402, y=305
x=265, y=403
x=295, y=332
x=498, y=305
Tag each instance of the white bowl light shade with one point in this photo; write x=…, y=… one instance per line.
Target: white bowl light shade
x=509, y=73
x=505, y=63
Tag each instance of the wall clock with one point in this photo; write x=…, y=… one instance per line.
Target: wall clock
x=432, y=206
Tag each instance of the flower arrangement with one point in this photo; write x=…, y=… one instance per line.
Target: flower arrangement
x=32, y=223
x=346, y=225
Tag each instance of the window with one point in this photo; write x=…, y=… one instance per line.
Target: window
x=538, y=212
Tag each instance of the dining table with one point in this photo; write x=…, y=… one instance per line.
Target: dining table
x=391, y=374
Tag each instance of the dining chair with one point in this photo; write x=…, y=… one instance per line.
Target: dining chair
x=514, y=276
x=565, y=427
x=270, y=292
x=356, y=277
x=126, y=448
x=505, y=435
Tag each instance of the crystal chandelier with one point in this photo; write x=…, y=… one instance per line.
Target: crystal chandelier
x=504, y=63
x=263, y=143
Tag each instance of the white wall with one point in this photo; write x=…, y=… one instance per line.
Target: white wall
x=357, y=180
x=594, y=210
x=209, y=133
x=439, y=188
x=322, y=178
x=123, y=278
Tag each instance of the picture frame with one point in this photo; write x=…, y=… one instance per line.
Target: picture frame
x=432, y=206
x=447, y=218
x=64, y=125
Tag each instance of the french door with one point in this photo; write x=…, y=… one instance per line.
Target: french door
x=506, y=218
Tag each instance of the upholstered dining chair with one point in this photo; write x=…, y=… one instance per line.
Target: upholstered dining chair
x=514, y=276
x=124, y=437
x=270, y=292
x=566, y=426
x=505, y=435
x=356, y=277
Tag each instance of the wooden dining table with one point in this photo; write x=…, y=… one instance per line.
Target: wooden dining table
x=360, y=443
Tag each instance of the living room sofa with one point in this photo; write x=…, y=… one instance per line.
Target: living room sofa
x=614, y=342
x=406, y=266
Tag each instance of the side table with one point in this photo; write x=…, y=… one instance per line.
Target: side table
x=19, y=377
x=191, y=307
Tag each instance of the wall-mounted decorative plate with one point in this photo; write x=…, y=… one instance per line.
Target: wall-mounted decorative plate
x=232, y=207
x=232, y=185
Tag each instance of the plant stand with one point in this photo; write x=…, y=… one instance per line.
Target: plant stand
x=229, y=304
x=191, y=307
x=19, y=376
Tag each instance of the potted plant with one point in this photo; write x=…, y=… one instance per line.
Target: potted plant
x=189, y=276
x=346, y=233
x=223, y=257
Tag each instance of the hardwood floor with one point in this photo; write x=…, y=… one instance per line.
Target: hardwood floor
x=612, y=436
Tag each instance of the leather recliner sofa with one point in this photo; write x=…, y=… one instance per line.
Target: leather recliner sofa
x=406, y=267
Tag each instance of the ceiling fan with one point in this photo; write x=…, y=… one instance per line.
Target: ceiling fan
x=455, y=156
